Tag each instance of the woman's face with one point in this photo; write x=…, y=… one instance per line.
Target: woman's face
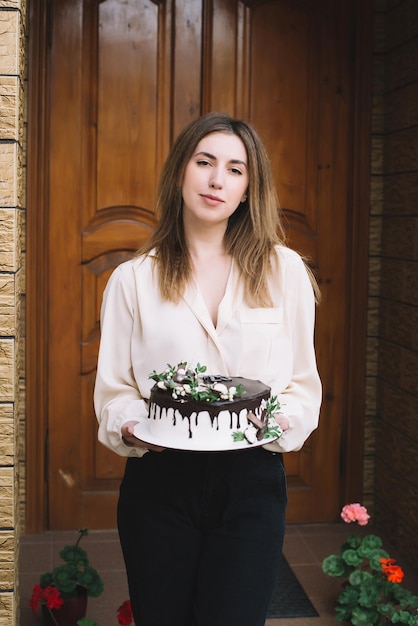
x=215, y=180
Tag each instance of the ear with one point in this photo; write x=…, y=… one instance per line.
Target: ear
x=244, y=197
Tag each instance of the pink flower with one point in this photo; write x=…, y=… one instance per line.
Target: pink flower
x=355, y=513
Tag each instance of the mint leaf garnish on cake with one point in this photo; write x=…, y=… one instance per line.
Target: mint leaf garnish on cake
x=185, y=381
x=263, y=427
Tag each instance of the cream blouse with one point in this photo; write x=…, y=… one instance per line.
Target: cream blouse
x=140, y=333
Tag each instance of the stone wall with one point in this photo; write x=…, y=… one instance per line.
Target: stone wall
x=12, y=213
x=394, y=273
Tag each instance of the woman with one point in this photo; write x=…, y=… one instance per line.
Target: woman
x=202, y=532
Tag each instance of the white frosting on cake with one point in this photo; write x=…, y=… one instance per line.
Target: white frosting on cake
x=199, y=429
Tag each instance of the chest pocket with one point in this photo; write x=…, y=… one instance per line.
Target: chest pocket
x=262, y=340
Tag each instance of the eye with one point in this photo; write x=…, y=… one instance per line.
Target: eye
x=202, y=162
x=235, y=170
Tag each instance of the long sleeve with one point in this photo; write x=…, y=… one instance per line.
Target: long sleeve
x=301, y=398
x=117, y=398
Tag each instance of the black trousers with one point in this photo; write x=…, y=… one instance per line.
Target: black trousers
x=202, y=535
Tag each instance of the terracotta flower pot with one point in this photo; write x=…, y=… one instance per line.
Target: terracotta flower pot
x=68, y=614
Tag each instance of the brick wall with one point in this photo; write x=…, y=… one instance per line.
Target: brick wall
x=12, y=202
x=394, y=273
x=375, y=236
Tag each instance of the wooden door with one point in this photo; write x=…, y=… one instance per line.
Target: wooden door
x=123, y=79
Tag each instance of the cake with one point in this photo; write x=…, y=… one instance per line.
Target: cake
x=189, y=409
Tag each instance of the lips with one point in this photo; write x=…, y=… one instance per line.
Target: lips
x=211, y=198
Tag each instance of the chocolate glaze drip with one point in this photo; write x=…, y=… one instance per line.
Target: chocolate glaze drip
x=255, y=392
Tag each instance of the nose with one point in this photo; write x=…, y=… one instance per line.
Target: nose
x=216, y=180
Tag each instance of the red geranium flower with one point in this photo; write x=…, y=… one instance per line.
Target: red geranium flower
x=125, y=616
x=394, y=573
x=37, y=592
x=49, y=596
x=52, y=598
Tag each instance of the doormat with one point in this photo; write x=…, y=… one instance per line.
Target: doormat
x=289, y=598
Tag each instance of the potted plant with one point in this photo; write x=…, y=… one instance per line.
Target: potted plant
x=62, y=593
x=372, y=591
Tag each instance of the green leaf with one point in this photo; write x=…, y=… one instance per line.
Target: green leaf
x=352, y=558
x=274, y=431
x=342, y=613
x=369, y=596
x=90, y=579
x=334, y=565
x=353, y=541
x=64, y=577
x=239, y=390
x=364, y=617
x=359, y=577
x=46, y=580
x=349, y=597
x=371, y=542
x=403, y=617
x=375, y=557
x=386, y=609
x=272, y=406
x=74, y=554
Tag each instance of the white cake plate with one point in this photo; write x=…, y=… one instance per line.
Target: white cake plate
x=141, y=431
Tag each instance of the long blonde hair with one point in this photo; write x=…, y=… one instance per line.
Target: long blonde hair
x=252, y=231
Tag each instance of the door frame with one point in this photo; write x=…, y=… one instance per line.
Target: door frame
x=351, y=473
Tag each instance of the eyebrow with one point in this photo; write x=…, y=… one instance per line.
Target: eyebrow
x=213, y=157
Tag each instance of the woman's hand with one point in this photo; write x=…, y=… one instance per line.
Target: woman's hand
x=282, y=421
x=129, y=438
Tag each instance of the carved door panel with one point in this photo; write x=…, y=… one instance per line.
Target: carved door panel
x=124, y=78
